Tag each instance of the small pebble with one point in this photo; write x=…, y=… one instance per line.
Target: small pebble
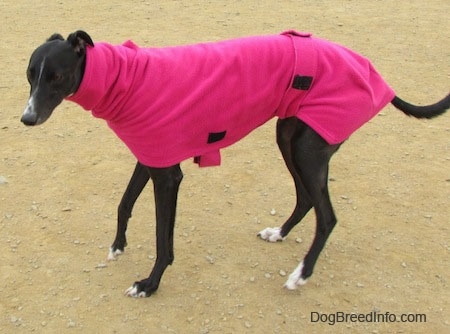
x=282, y=273
x=273, y=212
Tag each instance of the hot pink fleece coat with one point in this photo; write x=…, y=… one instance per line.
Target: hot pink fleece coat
x=170, y=104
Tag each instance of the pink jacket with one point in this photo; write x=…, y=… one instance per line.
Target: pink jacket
x=170, y=104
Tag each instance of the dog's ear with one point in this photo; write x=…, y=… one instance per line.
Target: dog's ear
x=79, y=39
x=55, y=37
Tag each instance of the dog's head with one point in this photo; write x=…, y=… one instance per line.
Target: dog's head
x=55, y=71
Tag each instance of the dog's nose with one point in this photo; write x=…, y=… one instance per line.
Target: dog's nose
x=29, y=118
x=28, y=123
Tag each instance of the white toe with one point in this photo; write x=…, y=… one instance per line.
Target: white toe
x=131, y=291
x=295, y=278
x=112, y=255
x=271, y=234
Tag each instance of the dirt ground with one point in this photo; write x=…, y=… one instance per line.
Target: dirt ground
x=60, y=185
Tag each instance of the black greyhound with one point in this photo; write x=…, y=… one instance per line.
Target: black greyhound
x=55, y=72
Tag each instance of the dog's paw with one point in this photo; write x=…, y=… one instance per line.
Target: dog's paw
x=133, y=291
x=112, y=255
x=295, y=279
x=271, y=234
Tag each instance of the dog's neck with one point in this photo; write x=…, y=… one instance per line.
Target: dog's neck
x=95, y=79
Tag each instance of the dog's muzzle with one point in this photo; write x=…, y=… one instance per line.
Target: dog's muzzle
x=29, y=116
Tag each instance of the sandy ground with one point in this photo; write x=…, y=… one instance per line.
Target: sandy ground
x=60, y=185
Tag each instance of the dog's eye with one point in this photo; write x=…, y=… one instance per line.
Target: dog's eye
x=57, y=77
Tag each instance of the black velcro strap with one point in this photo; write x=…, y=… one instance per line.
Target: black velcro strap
x=216, y=136
x=302, y=82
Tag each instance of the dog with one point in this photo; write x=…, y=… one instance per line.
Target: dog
x=171, y=104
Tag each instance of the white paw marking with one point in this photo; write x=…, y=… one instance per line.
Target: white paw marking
x=133, y=292
x=271, y=234
x=112, y=255
x=295, y=279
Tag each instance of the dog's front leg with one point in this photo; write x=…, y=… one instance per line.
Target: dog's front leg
x=137, y=183
x=166, y=182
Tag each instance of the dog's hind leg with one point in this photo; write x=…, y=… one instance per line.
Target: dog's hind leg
x=137, y=183
x=166, y=183
x=287, y=129
x=311, y=156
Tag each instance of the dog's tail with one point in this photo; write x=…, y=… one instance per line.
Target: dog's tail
x=430, y=111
